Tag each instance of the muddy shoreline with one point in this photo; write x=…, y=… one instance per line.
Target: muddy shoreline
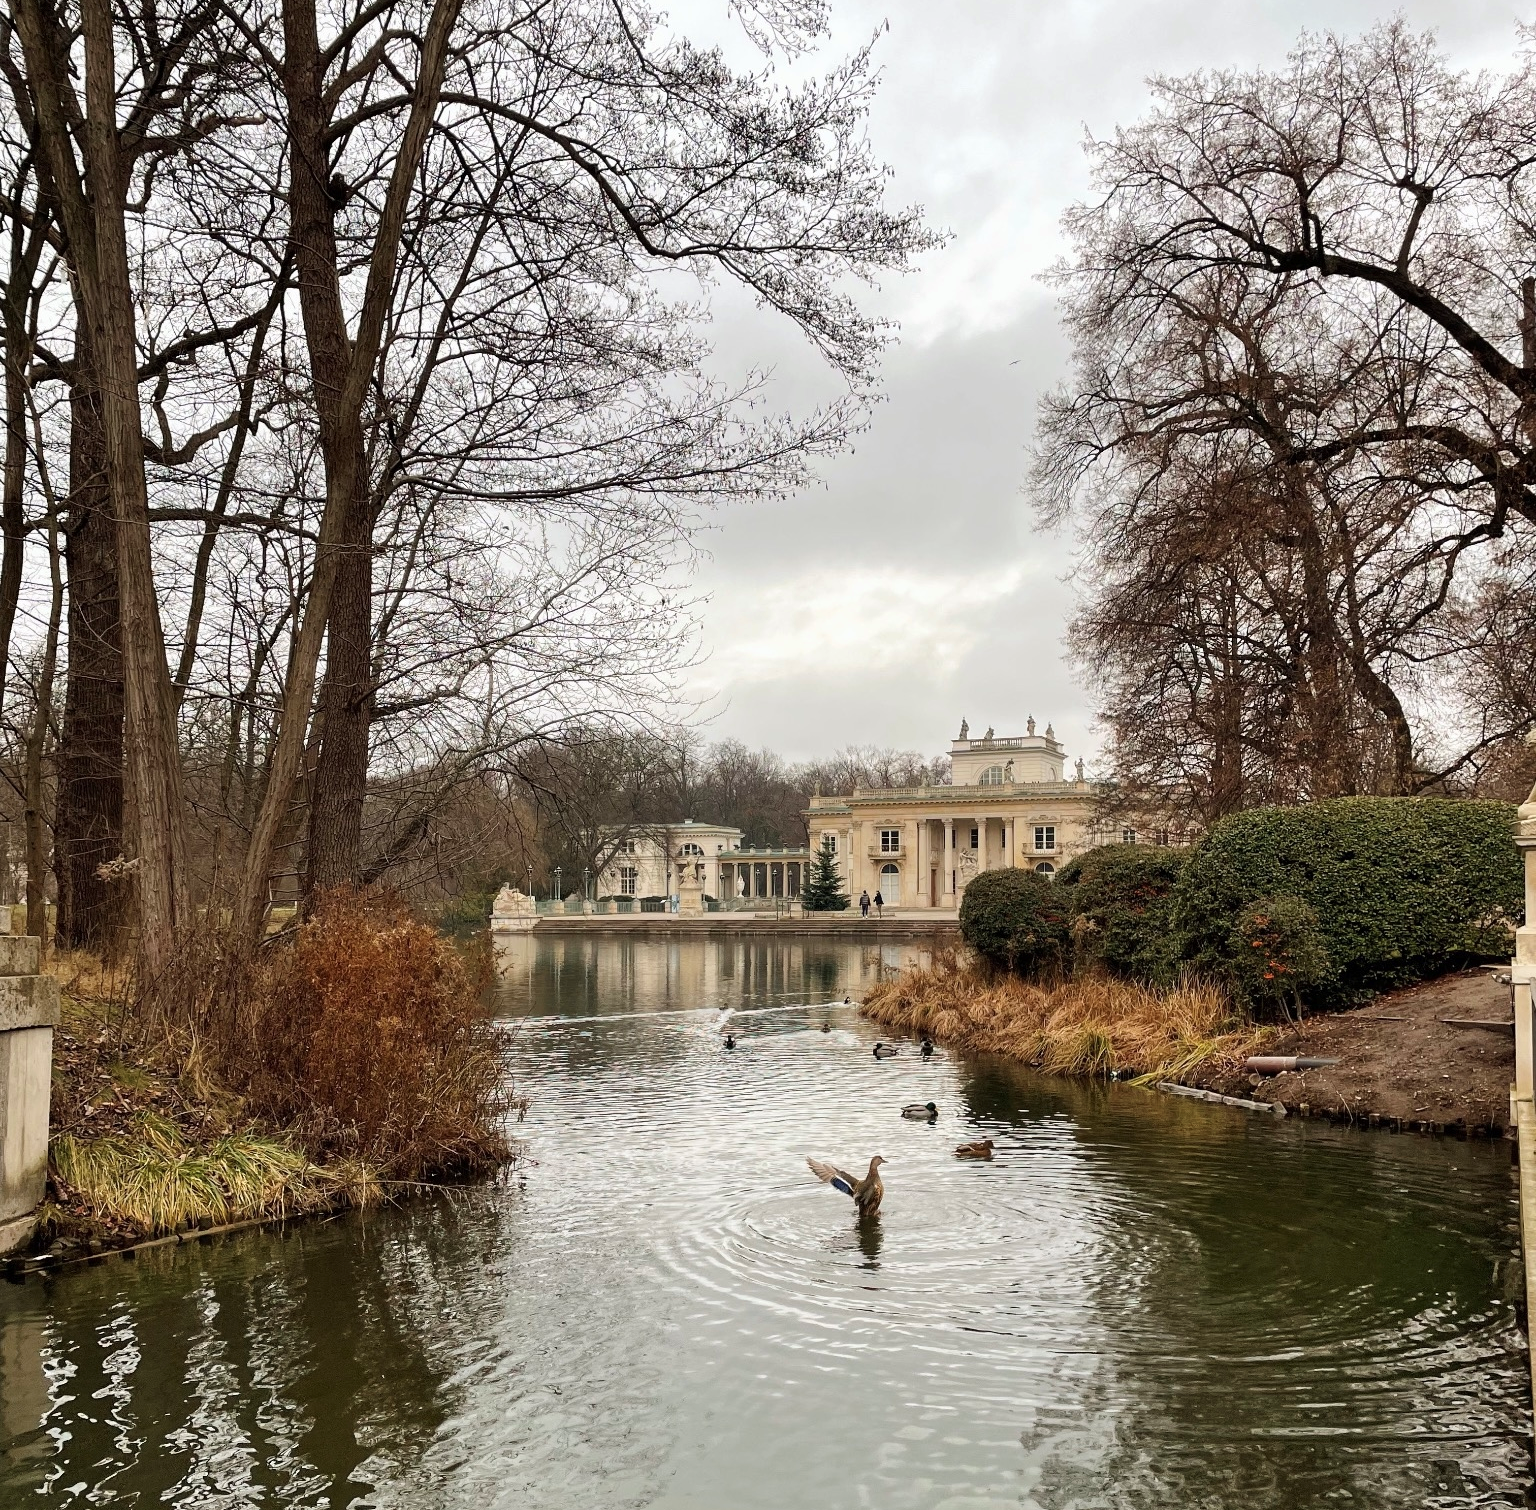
x=1401, y=1064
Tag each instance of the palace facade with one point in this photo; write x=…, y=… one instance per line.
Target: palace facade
x=650, y=862
x=1012, y=802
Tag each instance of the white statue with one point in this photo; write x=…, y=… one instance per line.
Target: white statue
x=512, y=912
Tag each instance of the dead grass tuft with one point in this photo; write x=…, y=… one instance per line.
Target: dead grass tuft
x=153, y=1179
x=1090, y=1026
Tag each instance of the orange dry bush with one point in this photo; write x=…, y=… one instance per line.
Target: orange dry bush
x=366, y=1037
x=1092, y=1025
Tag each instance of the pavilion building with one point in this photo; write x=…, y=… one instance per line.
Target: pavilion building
x=1011, y=802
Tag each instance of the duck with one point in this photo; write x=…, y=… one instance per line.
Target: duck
x=867, y=1193
x=730, y=1040
x=927, y=1049
x=826, y=1027
x=920, y=1111
x=886, y=1051
x=981, y=1150
x=847, y=1001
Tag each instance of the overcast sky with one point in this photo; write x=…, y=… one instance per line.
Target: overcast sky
x=910, y=589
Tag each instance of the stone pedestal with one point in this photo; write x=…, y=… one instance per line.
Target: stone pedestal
x=690, y=897
x=512, y=912
x=588, y=907
x=610, y=906
x=29, y=1011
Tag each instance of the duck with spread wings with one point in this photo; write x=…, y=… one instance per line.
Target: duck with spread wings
x=867, y=1193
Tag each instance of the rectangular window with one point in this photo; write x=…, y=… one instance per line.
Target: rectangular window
x=1127, y=835
x=830, y=840
x=629, y=878
x=1162, y=838
x=1045, y=838
x=975, y=838
x=890, y=841
x=627, y=847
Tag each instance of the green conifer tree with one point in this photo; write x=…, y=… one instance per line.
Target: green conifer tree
x=823, y=892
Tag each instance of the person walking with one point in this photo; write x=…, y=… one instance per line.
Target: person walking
x=879, y=903
x=863, y=904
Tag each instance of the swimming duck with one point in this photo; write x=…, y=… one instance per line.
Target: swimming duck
x=981, y=1150
x=847, y=1001
x=730, y=1041
x=886, y=1051
x=920, y=1111
x=826, y=1027
x=927, y=1049
x=867, y=1193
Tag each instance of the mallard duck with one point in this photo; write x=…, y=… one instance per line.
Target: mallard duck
x=927, y=1049
x=920, y=1111
x=886, y=1051
x=867, y=1193
x=981, y=1150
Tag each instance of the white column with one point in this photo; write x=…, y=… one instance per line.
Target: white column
x=947, y=865
x=981, y=845
x=916, y=866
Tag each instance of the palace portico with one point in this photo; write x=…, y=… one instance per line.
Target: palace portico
x=1011, y=803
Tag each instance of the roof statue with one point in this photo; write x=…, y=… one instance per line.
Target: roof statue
x=989, y=734
x=1050, y=733
x=965, y=729
x=1079, y=768
x=1031, y=724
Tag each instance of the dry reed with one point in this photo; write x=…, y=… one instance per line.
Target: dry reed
x=153, y=1179
x=1093, y=1025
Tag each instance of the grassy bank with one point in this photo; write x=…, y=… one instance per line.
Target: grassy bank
x=1090, y=1026
x=348, y=1065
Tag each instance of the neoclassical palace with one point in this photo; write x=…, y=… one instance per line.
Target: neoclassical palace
x=1011, y=802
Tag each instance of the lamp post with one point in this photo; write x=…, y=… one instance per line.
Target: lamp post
x=556, y=891
x=528, y=865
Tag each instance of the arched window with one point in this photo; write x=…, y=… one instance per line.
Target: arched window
x=691, y=849
x=994, y=775
x=1045, y=868
x=890, y=884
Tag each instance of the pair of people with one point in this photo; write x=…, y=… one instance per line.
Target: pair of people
x=864, y=904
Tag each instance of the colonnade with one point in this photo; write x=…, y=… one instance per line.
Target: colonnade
x=760, y=878
x=934, y=858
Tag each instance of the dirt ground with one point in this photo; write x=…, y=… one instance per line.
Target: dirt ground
x=1399, y=1062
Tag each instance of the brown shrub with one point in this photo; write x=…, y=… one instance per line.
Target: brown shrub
x=359, y=1034
x=367, y=1039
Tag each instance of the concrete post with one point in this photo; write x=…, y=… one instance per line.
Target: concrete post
x=1523, y=971
x=29, y=1012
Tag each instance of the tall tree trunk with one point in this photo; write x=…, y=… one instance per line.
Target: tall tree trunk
x=34, y=825
x=88, y=826
x=341, y=371
x=92, y=212
x=335, y=839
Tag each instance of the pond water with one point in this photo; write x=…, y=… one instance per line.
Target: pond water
x=1141, y=1302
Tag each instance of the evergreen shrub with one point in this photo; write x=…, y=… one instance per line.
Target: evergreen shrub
x=1121, y=899
x=1018, y=919
x=823, y=889
x=1403, y=888
x=1278, y=954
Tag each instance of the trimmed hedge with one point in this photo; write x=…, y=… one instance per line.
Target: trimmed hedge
x=1017, y=919
x=1121, y=899
x=1403, y=888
